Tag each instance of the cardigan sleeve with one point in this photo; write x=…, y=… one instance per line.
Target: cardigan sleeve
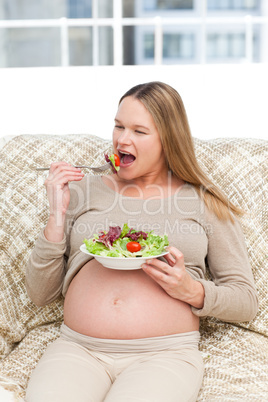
x=45, y=270
x=47, y=265
x=231, y=294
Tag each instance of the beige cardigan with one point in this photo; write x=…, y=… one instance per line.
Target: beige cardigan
x=205, y=241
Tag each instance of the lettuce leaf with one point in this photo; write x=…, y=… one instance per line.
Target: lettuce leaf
x=114, y=243
x=110, y=158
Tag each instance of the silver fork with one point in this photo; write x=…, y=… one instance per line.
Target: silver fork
x=96, y=169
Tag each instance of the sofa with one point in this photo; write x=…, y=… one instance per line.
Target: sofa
x=235, y=355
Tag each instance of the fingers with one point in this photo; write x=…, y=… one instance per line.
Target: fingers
x=63, y=168
x=170, y=259
x=154, y=263
x=57, y=187
x=175, y=257
x=160, y=269
x=156, y=271
x=56, y=165
x=61, y=173
x=173, y=278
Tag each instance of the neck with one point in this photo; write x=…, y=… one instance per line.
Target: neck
x=156, y=186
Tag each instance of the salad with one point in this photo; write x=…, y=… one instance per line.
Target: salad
x=114, y=161
x=126, y=242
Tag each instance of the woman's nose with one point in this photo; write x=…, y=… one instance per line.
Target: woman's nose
x=125, y=137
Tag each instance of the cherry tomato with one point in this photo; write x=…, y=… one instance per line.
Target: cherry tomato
x=116, y=160
x=133, y=246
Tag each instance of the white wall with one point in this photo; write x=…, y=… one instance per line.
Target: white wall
x=221, y=100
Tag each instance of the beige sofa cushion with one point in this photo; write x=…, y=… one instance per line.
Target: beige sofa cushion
x=236, y=356
x=240, y=168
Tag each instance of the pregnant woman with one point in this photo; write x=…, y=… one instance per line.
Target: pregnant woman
x=132, y=335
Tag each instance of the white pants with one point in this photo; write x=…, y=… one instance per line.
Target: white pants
x=85, y=369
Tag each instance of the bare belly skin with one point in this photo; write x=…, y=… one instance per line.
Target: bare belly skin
x=116, y=304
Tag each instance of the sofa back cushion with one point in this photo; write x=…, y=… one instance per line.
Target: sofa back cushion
x=238, y=166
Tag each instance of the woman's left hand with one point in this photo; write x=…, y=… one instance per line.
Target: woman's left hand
x=174, y=279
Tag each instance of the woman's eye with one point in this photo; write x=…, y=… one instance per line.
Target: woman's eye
x=119, y=127
x=140, y=132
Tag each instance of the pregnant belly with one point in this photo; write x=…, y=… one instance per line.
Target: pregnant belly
x=115, y=304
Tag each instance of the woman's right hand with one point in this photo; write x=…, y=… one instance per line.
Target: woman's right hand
x=58, y=193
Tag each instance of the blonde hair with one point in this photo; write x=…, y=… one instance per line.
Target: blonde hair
x=167, y=109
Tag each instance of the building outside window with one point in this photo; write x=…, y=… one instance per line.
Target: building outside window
x=153, y=5
x=177, y=46
x=88, y=45
x=233, y=4
x=224, y=43
x=41, y=47
x=79, y=9
x=226, y=46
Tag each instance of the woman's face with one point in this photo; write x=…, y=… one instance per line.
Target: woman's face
x=137, y=142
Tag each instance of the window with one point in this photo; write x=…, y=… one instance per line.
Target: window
x=40, y=44
x=31, y=47
x=151, y=5
x=80, y=46
x=233, y=4
x=148, y=45
x=79, y=8
x=176, y=46
x=225, y=46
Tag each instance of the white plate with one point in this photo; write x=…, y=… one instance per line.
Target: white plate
x=123, y=263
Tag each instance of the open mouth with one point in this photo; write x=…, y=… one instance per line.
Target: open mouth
x=126, y=158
